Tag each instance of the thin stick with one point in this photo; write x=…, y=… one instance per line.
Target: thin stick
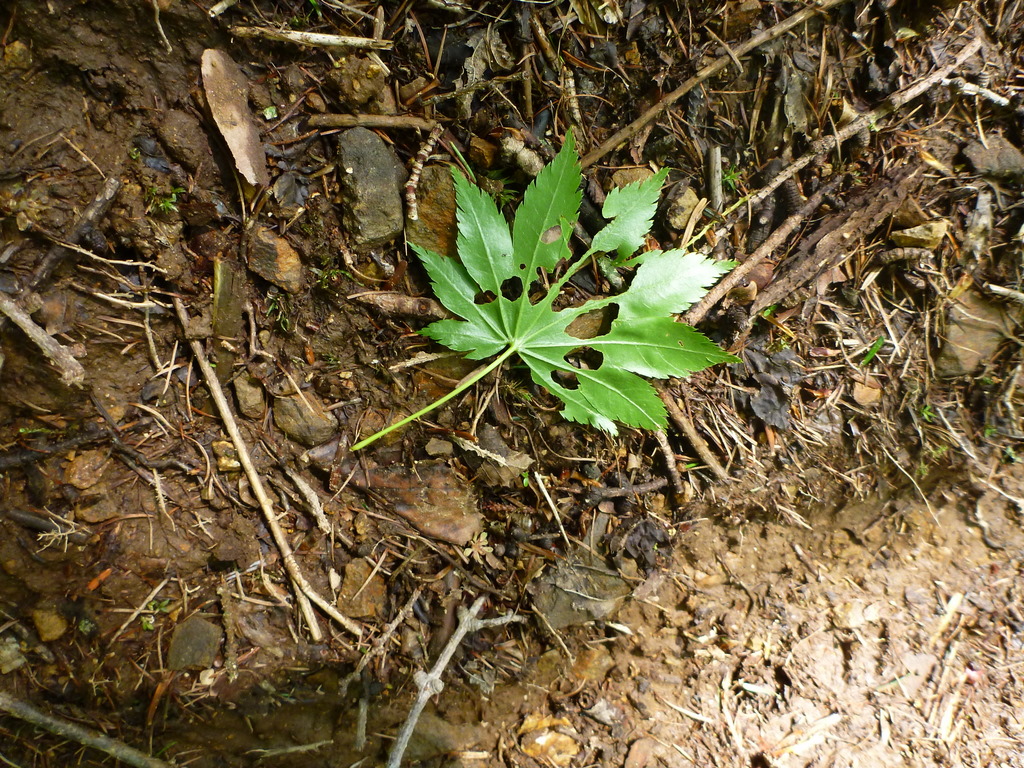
x=71, y=371
x=682, y=421
x=311, y=38
x=304, y=592
x=370, y=121
x=67, y=730
x=699, y=310
x=670, y=461
x=625, y=134
x=551, y=503
x=430, y=683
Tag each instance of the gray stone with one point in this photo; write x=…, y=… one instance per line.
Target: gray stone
x=975, y=330
x=194, y=644
x=681, y=208
x=997, y=158
x=249, y=394
x=371, y=178
x=304, y=420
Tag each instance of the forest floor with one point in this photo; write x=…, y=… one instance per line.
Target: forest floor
x=207, y=296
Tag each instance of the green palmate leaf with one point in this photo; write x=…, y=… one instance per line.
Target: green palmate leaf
x=631, y=210
x=644, y=339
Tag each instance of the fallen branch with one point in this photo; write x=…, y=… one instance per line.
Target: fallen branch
x=825, y=145
x=74, y=732
x=625, y=134
x=698, y=311
x=370, y=121
x=304, y=592
x=71, y=371
x=318, y=39
x=685, y=426
x=430, y=683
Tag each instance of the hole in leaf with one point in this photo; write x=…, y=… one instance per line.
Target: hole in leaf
x=585, y=357
x=565, y=379
x=591, y=324
x=512, y=288
x=484, y=297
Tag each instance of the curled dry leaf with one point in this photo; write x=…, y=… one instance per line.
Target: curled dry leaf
x=225, y=88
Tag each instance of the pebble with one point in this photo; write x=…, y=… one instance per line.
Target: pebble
x=194, y=644
x=997, y=158
x=49, y=624
x=273, y=258
x=304, y=420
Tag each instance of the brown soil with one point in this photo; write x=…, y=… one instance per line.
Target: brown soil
x=837, y=581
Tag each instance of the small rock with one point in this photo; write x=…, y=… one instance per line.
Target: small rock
x=680, y=209
x=998, y=160
x=641, y=754
x=371, y=179
x=50, y=625
x=304, y=420
x=273, y=259
x=194, y=644
x=593, y=665
x=436, y=447
x=625, y=176
x=249, y=394
x=17, y=55
x=435, y=229
x=360, y=598
x=928, y=235
x=227, y=456
x=86, y=469
x=11, y=657
x=974, y=331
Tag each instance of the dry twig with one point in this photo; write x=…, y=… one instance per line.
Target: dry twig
x=625, y=134
x=371, y=121
x=430, y=683
x=304, y=592
x=74, y=732
x=318, y=39
x=71, y=371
